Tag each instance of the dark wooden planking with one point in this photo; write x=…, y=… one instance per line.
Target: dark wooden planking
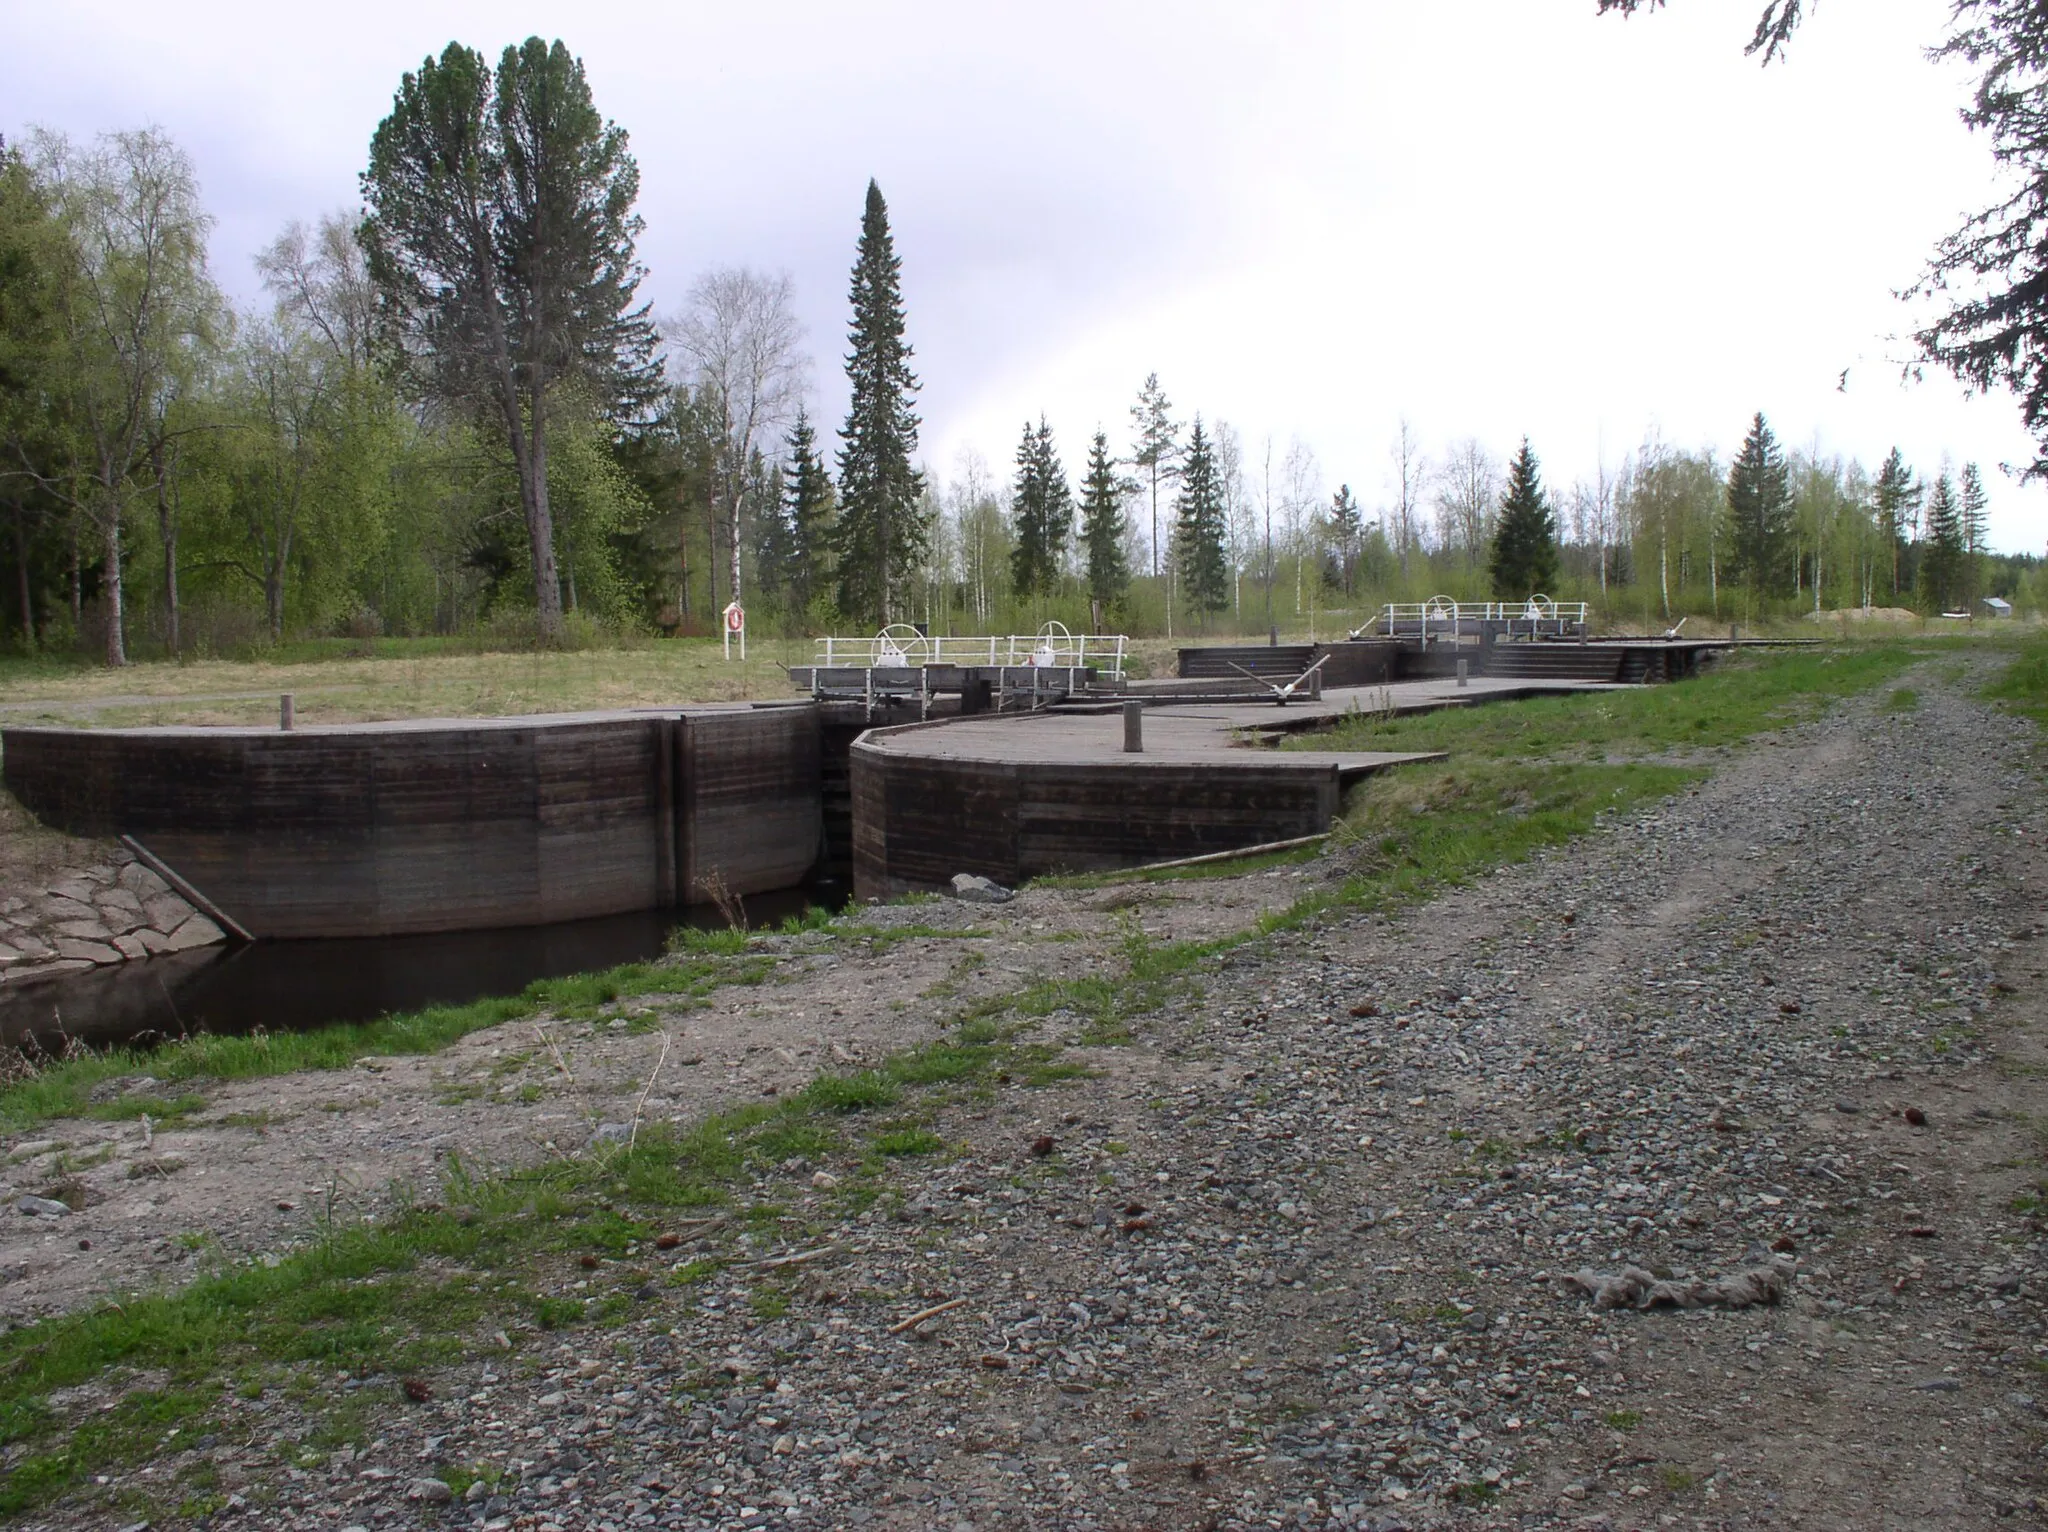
x=381, y=830
x=751, y=799
x=918, y=820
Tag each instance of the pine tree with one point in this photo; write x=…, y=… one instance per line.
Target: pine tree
x=1524, y=561
x=1345, y=526
x=1042, y=514
x=1896, y=499
x=1759, y=512
x=1941, y=556
x=1199, y=529
x=1156, y=453
x=882, y=533
x=1103, y=526
x=1974, y=507
x=805, y=521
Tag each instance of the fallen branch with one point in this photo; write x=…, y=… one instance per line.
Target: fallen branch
x=802, y=1257
x=640, y=1106
x=923, y=1314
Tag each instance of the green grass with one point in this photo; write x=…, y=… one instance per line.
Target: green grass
x=1738, y=697
x=2022, y=687
x=1902, y=700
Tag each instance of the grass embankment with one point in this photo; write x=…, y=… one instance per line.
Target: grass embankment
x=2022, y=687
x=354, y=681
x=438, y=1284
x=699, y=962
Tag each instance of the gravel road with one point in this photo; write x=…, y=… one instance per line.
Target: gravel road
x=1297, y=1255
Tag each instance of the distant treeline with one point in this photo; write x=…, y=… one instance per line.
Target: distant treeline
x=181, y=477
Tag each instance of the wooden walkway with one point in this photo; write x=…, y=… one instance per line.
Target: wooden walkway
x=1223, y=735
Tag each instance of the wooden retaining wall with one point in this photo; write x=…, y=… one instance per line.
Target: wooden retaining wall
x=919, y=820
x=386, y=829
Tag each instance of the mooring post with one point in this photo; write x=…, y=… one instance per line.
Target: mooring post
x=1134, y=728
x=1464, y=671
x=284, y=711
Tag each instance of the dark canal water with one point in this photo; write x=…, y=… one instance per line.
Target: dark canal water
x=292, y=985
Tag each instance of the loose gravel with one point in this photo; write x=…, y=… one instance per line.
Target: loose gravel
x=1300, y=1253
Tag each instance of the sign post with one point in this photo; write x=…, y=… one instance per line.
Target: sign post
x=735, y=627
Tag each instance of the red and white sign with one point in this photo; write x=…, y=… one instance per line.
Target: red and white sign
x=735, y=626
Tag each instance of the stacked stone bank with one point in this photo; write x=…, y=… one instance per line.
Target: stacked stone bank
x=92, y=917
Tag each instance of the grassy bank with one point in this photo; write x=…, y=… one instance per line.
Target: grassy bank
x=500, y=1264
x=63, y=1087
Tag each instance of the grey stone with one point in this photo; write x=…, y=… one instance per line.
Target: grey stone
x=44, y=1207
x=196, y=932
x=975, y=889
x=430, y=1492
x=167, y=912
x=86, y=952
x=141, y=882
x=84, y=930
x=613, y=1133
x=122, y=1085
x=131, y=947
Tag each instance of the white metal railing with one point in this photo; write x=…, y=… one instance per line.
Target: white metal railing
x=900, y=646
x=1442, y=613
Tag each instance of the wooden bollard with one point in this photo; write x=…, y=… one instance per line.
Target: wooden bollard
x=284, y=711
x=1134, y=728
x=1464, y=672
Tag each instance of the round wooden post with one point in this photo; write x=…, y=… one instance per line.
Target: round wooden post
x=1134, y=728
x=284, y=712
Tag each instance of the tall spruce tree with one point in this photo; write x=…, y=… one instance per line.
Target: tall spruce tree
x=1942, y=554
x=883, y=533
x=1974, y=506
x=1103, y=526
x=1896, y=499
x=1041, y=514
x=1759, y=512
x=1156, y=453
x=1524, y=559
x=806, y=517
x=1347, y=526
x=1199, y=528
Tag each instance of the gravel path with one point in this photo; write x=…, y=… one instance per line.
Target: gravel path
x=1295, y=1255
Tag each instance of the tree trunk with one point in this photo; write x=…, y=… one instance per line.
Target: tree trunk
x=167, y=534
x=540, y=533
x=77, y=582
x=273, y=600
x=26, y=591
x=733, y=537
x=110, y=581
x=167, y=530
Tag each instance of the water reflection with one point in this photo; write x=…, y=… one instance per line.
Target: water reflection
x=290, y=985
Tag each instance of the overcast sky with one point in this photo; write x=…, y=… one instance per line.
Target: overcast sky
x=1312, y=219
